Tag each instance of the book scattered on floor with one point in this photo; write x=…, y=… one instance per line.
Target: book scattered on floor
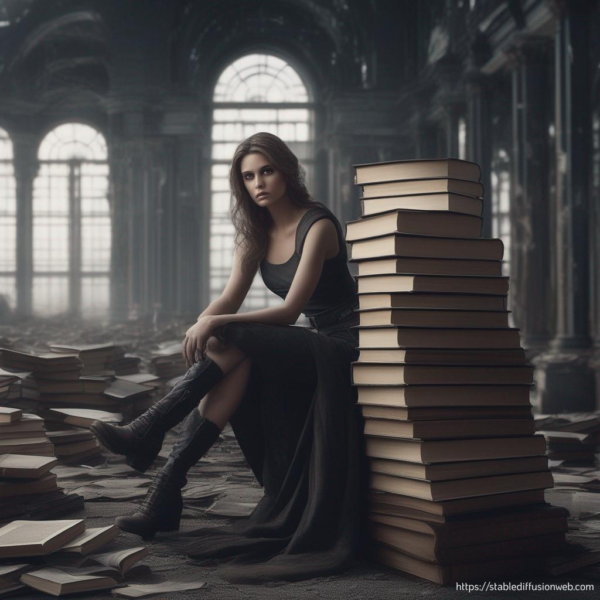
x=25, y=487
x=92, y=539
x=39, y=446
x=58, y=583
x=137, y=590
x=121, y=559
x=39, y=507
x=10, y=574
x=37, y=538
x=9, y=415
x=28, y=426
x=80, y=417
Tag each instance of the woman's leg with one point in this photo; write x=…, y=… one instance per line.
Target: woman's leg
x=223, y=400
x=141, y=440
x=163, y=504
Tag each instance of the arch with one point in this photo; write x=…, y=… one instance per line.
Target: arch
x=72, y=223
x=254, y=92
x=73, y=141
x=261, y=77
x=8, y=221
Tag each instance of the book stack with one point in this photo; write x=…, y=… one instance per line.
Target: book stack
x=167, y=361
x=23, y=433
x=97, y=359
x=10, y=385
x=69, y=431
x=571, y=437
x=101, y=359
x=56, y=379
x=457, y=473
x=28, y=489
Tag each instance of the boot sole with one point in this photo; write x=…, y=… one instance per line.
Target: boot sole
x=114, y=445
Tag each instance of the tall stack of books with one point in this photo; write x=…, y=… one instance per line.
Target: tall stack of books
x=457, y=473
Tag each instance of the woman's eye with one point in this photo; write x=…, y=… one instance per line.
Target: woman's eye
x=268, y=171
x=247, y=176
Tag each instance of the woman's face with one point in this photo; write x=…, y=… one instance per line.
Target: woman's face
x=265, y=184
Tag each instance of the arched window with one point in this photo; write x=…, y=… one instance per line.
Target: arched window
x=8, y=222
x=71, y=224
x=257, y=92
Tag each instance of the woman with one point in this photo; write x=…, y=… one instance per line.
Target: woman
x=285, y=390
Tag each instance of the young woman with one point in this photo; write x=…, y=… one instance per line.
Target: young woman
x=285, y=390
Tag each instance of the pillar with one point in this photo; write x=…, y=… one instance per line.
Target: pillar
x=565, y=381
x=25, y=169
x=532, y=297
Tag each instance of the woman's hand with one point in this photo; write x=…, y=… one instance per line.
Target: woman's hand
x=196, y=338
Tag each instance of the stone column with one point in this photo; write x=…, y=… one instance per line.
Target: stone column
x=479, y=136
x=119, y=197
x=25, y=169
x=532, y=298
x=565, y=381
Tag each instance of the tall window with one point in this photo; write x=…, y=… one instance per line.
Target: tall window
x=501, y=203
x=255, y=93
x=71, y=224
x=8, y=222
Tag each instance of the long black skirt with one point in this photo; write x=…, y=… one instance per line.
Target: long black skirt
x=300, y=430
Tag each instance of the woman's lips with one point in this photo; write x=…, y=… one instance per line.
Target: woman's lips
x=262, y=195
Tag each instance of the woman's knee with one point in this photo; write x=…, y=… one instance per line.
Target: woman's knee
x=217, y=345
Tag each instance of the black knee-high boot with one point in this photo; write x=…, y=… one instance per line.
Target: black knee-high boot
x=141, y=440
x=163, y=504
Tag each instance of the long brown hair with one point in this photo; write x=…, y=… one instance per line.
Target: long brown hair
x=251, y=221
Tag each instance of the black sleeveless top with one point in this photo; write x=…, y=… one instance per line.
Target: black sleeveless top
x=336, y=284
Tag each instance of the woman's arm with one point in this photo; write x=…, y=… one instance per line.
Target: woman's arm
x=317, y=242
x=235, y=291
x=228, y=302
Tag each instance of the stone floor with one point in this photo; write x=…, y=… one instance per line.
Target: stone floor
x=223, y=471
x=222, y=468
